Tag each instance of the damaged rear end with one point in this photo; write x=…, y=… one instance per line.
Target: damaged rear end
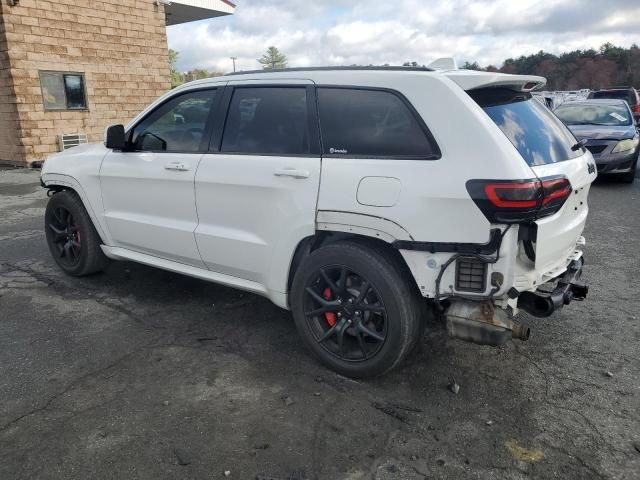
x=537, y=265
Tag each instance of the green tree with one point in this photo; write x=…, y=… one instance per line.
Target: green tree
x=176, y=77
x=199, y=74
x=273, y=59
x=591, y=68
x=471, y=66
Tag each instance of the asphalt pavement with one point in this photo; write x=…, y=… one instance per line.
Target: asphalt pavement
x=141, y=373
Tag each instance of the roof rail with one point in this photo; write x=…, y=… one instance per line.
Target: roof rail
x=329, y=69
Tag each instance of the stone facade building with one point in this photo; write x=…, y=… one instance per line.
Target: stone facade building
x=70, y=67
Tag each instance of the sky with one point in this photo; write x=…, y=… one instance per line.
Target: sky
x=331, y=32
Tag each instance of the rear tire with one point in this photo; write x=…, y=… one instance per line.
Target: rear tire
x=73, y=241
x=361, y=323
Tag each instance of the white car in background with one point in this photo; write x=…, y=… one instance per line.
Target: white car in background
x=359, y=198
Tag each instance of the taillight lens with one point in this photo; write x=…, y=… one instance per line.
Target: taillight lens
x=635, y=109
x=554, y=193
x=513, y=195
x=519, y=201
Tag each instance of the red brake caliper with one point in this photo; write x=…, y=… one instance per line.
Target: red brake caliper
x=329, y=316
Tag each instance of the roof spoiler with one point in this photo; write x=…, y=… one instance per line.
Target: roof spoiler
x=471, y=80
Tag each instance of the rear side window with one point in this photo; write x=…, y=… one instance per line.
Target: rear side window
x=371, y=123
x=267, y=121
x=626, y=95
x=534, y=130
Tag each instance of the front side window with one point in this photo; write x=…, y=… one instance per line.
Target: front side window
x=370, y=123
x=538, y=135
x=267, y=121
x=594, y=114
x=178, y=125
x=63, y=91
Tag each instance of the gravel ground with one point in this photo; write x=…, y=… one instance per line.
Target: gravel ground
x=140, y=373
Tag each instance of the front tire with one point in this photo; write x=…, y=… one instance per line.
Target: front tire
x=356, y=309
x=73, y=241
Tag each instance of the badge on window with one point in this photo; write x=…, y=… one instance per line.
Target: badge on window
x=338, y=150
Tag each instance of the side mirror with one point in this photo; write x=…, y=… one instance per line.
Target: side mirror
x=114, y=137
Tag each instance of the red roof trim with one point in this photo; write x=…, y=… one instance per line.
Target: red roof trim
x=231, y=4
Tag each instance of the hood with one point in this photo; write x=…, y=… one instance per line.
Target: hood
x=599, y=132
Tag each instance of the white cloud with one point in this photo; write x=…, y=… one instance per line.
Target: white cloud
x=332, y=32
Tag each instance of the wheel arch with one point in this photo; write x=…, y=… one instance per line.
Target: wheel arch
x=326, y=237
x=58, y=183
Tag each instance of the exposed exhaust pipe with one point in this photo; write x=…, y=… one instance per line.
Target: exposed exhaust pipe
x=544, y=305
x=536, y=305
x=482, y=323
x=520, y=331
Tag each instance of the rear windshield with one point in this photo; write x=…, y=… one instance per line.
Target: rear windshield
x=594, y=114
x=615, y=94
x=539, y=135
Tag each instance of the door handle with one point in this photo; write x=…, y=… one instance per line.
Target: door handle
x=177, y=166
x=292, y=172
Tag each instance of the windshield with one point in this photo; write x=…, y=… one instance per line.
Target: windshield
x=605, y=115
x=534, y=130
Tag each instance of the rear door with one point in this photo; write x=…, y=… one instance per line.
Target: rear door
x=550, y=149
x=257, y=189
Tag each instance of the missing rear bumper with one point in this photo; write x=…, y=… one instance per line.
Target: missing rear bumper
x=483, y=323
x=568, y=288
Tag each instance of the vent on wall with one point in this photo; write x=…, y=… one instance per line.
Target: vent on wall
x=70, y=140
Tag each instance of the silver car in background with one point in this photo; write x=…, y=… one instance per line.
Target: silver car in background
x=608, y=131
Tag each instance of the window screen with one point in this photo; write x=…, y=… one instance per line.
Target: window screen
x=370, y=123
x=177, y=125
x=267, y=121
x=63, y=91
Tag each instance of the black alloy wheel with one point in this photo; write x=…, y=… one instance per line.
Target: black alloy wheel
x=66, y=236
x=345, y=314
x=356, y=307
x=73, y=241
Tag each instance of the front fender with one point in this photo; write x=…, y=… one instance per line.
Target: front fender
x=78, y=169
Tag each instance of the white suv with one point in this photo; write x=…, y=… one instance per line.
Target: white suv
x=360, y=198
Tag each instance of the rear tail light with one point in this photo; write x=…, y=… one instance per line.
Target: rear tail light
x=554, y=193
x=519, y=201
x=635, y=109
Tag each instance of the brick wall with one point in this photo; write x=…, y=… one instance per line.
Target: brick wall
x=11, y=149
x=120, y=46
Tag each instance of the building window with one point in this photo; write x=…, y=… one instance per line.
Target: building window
x=63, y=91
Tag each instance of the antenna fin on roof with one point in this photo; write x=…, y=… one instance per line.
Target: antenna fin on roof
x=445, y=63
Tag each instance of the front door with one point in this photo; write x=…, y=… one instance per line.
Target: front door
x=148, y=190
x=257, y=190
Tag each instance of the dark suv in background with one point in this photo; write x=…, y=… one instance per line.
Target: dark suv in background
x=629, y=94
